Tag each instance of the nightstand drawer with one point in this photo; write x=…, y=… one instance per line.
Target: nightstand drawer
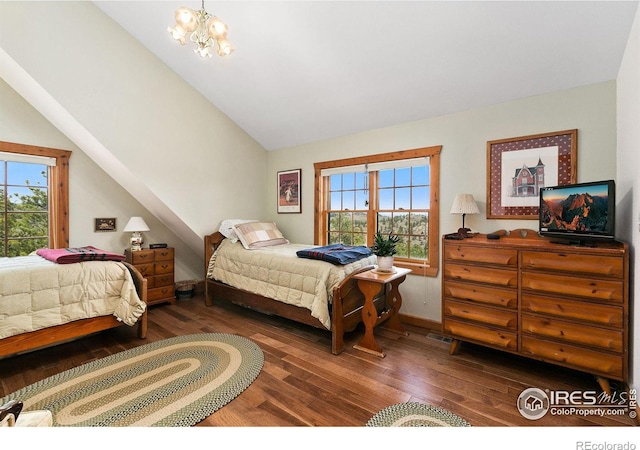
x=164, y=254
x=145, y=269
x=165, y=292
x=163, y=280
x=163, y=267
x=142, y=257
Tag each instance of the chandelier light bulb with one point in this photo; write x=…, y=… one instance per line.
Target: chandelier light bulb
x=224, y=48
x=217, y=28
x=186, y=18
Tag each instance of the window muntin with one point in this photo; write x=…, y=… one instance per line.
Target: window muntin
x=400, y=196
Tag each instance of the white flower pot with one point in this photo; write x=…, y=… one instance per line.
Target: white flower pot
x=385, y=263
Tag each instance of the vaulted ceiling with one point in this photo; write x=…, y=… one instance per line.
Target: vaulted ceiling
x=304, y=71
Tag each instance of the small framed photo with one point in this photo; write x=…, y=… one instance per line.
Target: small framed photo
x=518, y=167
x=105, y=224
x=289, y=192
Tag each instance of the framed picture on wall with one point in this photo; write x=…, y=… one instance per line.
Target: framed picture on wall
x=104, y=224
x=289, y=191
x=518, y=167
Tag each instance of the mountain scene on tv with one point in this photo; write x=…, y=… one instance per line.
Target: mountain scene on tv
x=577, y=212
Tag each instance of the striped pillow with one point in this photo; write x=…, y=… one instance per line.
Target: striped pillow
x=259, y=234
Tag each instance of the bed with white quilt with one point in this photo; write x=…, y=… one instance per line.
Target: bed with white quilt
x=43, y=302
x=251, y=264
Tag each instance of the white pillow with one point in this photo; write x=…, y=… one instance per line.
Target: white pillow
x=259, y=234
x=226, y=228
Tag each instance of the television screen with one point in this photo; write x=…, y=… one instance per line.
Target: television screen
x=578, y=211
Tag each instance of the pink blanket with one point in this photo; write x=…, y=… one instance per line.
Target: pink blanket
x=78, y=254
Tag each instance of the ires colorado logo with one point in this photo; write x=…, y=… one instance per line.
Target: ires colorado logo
x=534, y=403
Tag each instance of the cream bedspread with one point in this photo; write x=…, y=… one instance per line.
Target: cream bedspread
x=36, y=293
x=276, y=272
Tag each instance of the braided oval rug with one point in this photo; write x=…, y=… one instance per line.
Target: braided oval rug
x=413, y=414
x=174, y=382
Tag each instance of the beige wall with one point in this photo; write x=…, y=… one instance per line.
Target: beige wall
x=463, y=136
x=93, y=192
x=628, y=182
x=184, y=160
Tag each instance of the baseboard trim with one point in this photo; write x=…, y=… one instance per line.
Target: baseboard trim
x=421, y=322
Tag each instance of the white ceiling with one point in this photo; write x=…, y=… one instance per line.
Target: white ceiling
x=310, y=70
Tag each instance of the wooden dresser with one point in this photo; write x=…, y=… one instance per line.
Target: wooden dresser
x=157, y=266
x=557, y=303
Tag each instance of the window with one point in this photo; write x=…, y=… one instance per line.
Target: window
x=392, y=193
x=34, y=198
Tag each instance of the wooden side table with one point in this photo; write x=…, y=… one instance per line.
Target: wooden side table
x=371, y=284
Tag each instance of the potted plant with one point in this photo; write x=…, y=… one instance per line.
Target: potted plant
x=384, y=247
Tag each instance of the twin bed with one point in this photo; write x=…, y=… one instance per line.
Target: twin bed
x=262, y=271
x=43, y=302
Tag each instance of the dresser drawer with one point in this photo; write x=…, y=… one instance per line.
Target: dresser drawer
x=486, y=255
x=606, y=290
x=576, y=333
x=609, y=365
x=595, y=313
x=488, y=275
x=507, y=298
x=496, y=338
x=163, y=254
x=142, y=257
x=488, y=316
x=572, y=262
x=163, y=267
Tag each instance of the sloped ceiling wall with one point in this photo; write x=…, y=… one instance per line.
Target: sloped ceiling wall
x=154, y=134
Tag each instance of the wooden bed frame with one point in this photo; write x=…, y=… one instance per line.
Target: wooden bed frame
x=346, y=307
x=61, y=333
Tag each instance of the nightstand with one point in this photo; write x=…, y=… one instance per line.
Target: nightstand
x=156, y=265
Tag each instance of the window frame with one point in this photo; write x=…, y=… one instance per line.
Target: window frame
x=58, y=179
x=418, y=267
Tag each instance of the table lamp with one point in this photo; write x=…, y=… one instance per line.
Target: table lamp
x=136, y=225
x=464, y=204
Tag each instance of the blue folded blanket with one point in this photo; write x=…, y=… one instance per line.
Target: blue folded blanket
x=335, y=253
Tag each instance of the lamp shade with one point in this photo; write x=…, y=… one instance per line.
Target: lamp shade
x=464, y=204
x=136, y=224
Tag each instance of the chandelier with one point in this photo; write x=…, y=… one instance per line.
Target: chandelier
x=204, y=30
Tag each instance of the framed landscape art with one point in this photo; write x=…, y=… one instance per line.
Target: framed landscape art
x=518, y=167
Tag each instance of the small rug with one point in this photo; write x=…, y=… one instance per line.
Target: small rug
x=174, y=382
x=416, y=415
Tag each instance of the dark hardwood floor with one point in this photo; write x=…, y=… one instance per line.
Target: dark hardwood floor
x=303, y=384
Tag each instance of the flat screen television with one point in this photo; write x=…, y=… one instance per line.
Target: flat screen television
x=581, y=213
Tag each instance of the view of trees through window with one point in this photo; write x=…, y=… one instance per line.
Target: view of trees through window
x=402, y=208
x=24, y=205
x=394, y=192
